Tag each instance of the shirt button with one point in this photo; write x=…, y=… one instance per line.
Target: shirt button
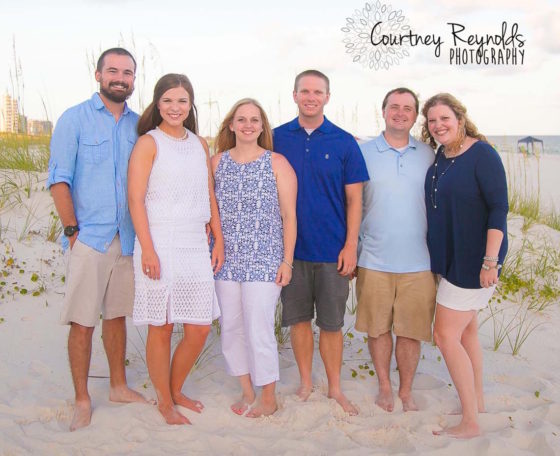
x=401, y=165
x=306, y=150
x=308, y=139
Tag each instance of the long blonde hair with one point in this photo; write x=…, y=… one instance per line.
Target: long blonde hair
x=468, y=127
x=226, y=138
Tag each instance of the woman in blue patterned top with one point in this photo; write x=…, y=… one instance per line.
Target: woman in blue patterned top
x=256, y=192
x=467, y=206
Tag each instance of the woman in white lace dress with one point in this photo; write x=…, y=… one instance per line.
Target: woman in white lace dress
x=171, y=201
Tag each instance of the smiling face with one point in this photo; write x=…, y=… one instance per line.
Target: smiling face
x=443, y=124
x=247, y=124
x=311, y=96
x=400, y=112
x=174, y=106
x=116, y=78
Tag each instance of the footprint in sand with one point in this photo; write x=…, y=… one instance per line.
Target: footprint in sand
x=427, y=382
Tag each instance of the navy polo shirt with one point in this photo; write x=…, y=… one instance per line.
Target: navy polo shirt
x=324, y=161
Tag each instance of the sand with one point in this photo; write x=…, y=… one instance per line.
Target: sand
x=36, y=395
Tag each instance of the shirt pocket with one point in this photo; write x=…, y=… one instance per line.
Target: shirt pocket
x=95, y=148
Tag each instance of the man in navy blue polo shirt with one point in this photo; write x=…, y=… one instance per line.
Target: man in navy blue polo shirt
x=330, y=170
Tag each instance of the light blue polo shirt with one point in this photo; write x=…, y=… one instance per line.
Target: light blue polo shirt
x=90, y=152
x=394, y=227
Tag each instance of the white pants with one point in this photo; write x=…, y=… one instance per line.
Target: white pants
x=247, y=325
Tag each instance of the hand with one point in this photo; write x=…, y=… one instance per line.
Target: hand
x=347, y=259
x=150, y=264
x=488, y=278
x=72, y=240
x=218, y=256
x=284, y=275
x=354, y=274
x=208, y=230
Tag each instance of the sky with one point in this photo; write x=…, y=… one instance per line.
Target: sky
x=231, y=50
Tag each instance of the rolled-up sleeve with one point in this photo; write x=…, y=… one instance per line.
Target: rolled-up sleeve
x=491, y=177
x=64, y=150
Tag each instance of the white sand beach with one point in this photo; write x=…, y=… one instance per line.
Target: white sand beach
x=36, y=394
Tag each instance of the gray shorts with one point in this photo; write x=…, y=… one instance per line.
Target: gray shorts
x=315, y=286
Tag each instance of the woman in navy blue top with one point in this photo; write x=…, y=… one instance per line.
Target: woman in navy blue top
x=467, y=205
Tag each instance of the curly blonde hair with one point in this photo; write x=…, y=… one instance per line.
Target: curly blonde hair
x=446, y=99
x=226, y=138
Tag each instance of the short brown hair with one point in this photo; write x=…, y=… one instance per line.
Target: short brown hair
x=315, y=73
x=401, y=90
x=117, y=51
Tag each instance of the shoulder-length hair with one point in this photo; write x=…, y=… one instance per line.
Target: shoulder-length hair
x=226, y=138
x=151, y=117
x=458, y=109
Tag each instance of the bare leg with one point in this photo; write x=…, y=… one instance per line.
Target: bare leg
x=114, y=341
x=185, y=355
x=301, y=337
x=407, y=353
x=330, y=346
x=267, y=402
x=448, y=331
x=79, y=354
x=248, y=395
x=472, y=346
x=158, y=348
x=381, y=349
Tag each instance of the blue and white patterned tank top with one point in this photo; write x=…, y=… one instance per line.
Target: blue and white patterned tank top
x=248, y=200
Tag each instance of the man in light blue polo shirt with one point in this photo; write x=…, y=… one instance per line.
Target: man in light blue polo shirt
x=330, y=170
x=395, y=288
x=90, y=148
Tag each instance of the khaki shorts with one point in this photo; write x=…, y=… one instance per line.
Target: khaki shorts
x=97, y=283
x=404, y=303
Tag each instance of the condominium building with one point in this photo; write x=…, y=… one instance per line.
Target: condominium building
x=9, y=114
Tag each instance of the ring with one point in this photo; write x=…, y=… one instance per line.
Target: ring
x=147, y=269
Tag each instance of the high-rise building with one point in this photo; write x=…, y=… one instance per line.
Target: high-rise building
x=39, y=127
x=9, y=114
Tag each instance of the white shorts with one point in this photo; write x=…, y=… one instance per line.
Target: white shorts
x=464, y=299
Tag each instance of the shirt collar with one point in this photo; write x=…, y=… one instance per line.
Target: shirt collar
x=99, y=105
x=325, y=127
x=383, y=145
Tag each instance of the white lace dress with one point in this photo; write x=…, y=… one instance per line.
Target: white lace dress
x=178, y=208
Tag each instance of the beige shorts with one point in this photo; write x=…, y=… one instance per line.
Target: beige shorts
x=97, y=284
x=404, y=303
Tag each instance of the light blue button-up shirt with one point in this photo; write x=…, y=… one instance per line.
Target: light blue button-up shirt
x=393, y=230
x=90, y=152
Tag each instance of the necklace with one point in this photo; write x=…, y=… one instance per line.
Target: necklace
x=174, y=138
x=436, y=178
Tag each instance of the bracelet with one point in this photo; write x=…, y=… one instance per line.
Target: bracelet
x=491, y=258
x=487, y=268
x=291, y=265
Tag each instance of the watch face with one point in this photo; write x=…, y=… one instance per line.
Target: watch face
x=70, y=230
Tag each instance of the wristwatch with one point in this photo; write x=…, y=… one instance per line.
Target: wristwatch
x=70, y=230
x=487, y=268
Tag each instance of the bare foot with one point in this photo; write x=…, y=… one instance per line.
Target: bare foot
x=172, y=416
x=385, y=400
x=408, y=404
x=124, y=394
x=184, y=401
x=461, y=431
x=343, y=401
x=262, y=409
x=303, y=392
x=82, y=415
x=242, y=405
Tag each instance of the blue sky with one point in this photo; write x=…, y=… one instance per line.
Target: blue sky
x=232, y=50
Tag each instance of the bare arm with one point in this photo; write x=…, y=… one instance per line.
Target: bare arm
x=493, y=244
x=139, y=169
x=286, y=182
x=218, y=255
x=348, y=256
x=62, y=198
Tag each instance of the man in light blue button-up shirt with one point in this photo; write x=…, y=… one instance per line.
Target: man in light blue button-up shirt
x=90, y=148
x=395, y=288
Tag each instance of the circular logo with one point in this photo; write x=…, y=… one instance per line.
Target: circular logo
x=372, y=36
